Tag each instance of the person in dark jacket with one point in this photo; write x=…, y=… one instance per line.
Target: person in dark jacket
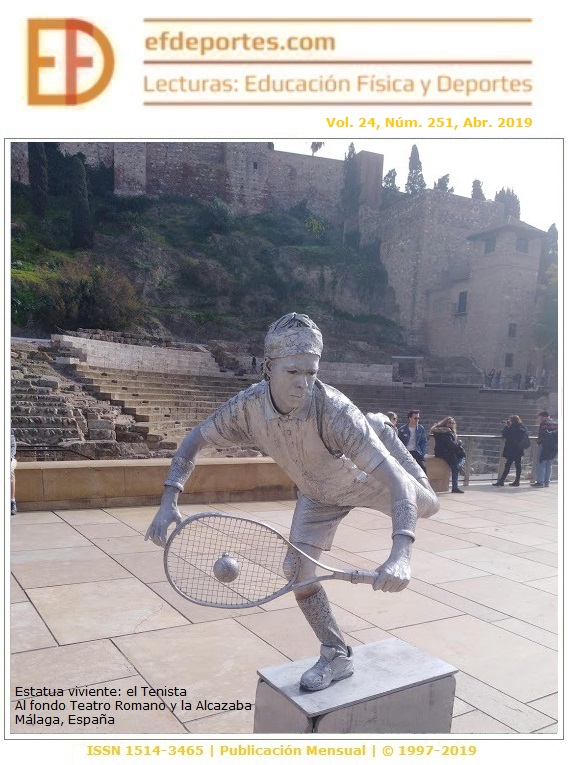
x=547, y=449
x=413, y=436
x=515, y=435
x=448, y=447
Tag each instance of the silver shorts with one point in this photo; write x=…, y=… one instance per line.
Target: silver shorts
x=315, y=523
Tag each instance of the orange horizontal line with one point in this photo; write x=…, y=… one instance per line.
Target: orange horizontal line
x=499, y=20
x=338, y=103
x=324, y=62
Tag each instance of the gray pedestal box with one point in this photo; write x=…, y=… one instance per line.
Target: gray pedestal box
x=396, y=688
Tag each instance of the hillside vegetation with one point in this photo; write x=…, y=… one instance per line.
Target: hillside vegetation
x=176, y=266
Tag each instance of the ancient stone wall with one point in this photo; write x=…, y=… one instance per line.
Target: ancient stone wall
x=500, y=293
x=19, y=161
x=99, y=153
x=194, y=169
x=423, y=246
x=251, y=176
x=130, y=169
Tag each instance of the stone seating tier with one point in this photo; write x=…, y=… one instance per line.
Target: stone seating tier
x=168, y=408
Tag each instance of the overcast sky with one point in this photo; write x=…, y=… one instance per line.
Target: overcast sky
x=531, y=167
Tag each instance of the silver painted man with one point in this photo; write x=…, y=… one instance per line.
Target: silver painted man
x=338, y=459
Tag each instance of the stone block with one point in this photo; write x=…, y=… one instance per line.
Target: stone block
x=144, y=480
x=29, y=482
x=48, y=382
x=438, y=472
x=100, y=424
x=396, y=688
x=102, y=435
x=74, y=482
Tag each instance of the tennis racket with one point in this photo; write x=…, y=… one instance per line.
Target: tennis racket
x=230, y=562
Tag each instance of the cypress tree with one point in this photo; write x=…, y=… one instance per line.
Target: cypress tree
x=389, y=181
x=477, y=191
x=442, y=184
x=37, y=163
x=510, y=200
x=415, y=183
x=81, y=225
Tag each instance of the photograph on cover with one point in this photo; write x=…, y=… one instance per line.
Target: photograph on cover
x=287, y=362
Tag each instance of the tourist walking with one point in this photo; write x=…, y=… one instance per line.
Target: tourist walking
x=448, y=446
x=547, y=449
x=516, y=441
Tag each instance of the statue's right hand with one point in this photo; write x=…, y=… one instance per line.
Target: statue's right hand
x=166, y=515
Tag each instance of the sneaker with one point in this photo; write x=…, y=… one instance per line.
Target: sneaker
x=515, y=483
x=458, y=491
x=537, y=485
x=332, y=665
x=13, y=508
x=498, y=483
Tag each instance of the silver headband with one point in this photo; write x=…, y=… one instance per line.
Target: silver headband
x=291, y=334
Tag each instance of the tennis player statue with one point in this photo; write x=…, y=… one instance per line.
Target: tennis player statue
x=338, y=459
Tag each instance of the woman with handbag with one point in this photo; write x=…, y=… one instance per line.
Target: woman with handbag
x=448, y=446
x=516, y=441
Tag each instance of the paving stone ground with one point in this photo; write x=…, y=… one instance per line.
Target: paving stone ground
x=91, y=608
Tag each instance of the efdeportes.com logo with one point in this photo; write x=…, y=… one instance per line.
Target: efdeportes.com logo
x=70, y=62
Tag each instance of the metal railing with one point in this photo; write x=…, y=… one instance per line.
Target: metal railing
x=484, y=460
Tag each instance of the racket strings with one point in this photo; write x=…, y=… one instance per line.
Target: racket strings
x=258, y=550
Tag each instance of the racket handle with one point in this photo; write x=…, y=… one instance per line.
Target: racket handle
x=358, y=576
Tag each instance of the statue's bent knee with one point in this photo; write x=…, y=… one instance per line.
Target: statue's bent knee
x=290, y=565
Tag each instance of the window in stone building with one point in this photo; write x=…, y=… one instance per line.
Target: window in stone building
x=522, y=244
x=490, y=244
x=508, y=360
x=462, y=302
x=512, y=330
x=255, y=165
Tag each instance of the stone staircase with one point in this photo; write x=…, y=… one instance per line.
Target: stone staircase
x=41, y=417
x=53, y=417
x=164, y=407
x=59, y=397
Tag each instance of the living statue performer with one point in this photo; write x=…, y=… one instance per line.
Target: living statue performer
x=337, y=458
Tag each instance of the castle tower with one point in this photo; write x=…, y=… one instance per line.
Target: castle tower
x=489, y=313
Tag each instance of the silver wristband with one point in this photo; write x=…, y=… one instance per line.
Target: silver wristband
x=404, y=518
x=403, y=533
x=180, y=470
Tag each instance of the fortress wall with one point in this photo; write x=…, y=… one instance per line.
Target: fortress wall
x=130, y=169
x=95, y=153
x=251, y=176
x=19, y=162
x=424, y=245
x=261, y=178
x=195, y=169
x=297, y=177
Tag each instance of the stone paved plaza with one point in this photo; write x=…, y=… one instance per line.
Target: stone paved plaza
x=91, y=607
